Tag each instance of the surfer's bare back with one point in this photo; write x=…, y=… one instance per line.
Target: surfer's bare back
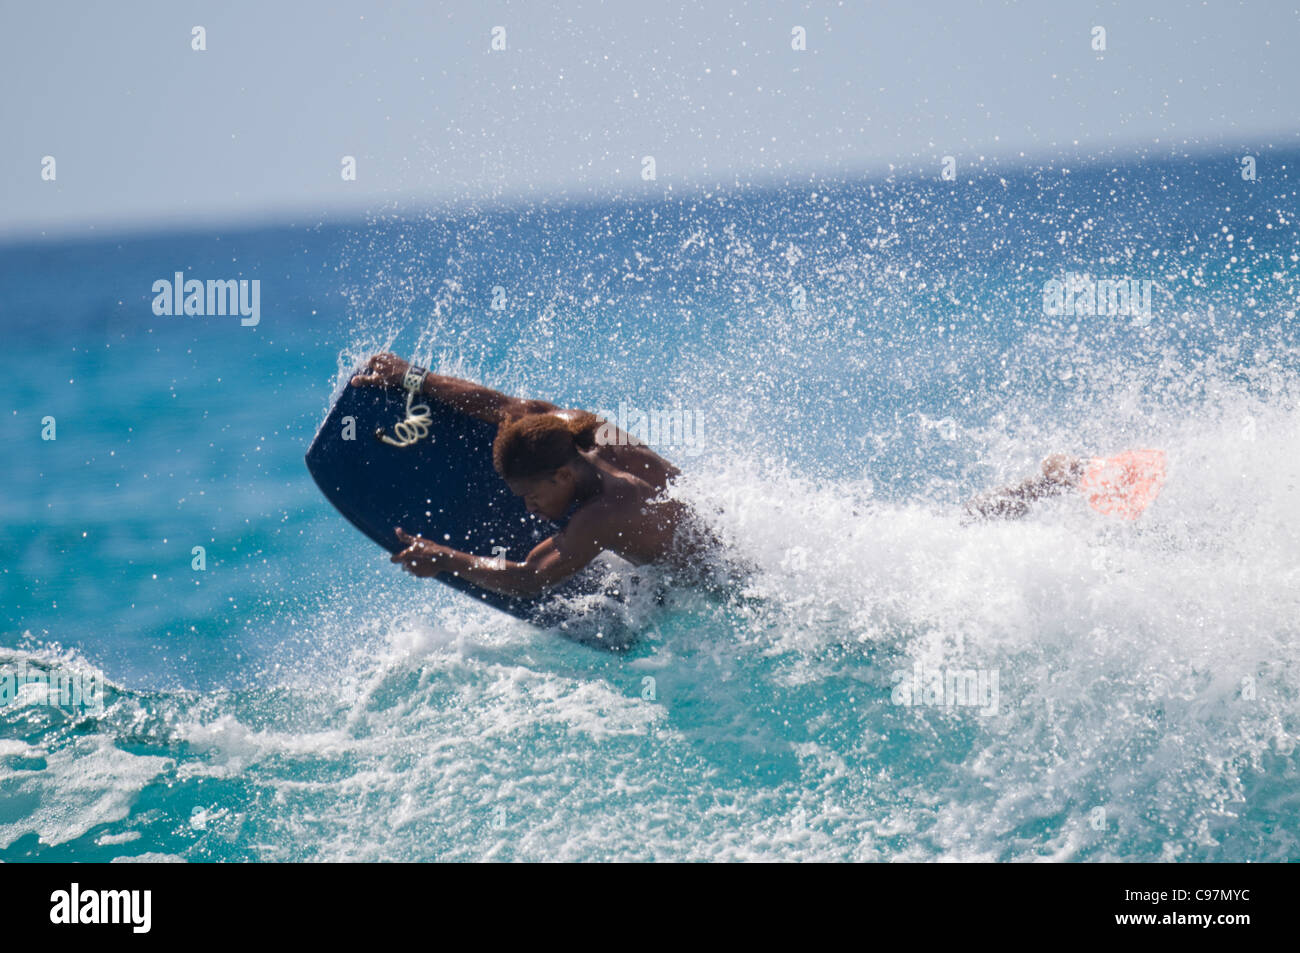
x=564, y=464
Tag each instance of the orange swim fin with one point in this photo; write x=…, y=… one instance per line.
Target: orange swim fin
x=1126, y=484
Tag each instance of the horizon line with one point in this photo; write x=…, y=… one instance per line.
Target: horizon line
x=363, y=213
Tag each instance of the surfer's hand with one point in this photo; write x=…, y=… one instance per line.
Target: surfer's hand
x=382, y=370
x=421, y=557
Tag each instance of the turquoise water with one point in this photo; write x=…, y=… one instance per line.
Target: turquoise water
x=300, y=698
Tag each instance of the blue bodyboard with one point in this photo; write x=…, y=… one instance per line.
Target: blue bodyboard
x=442, y=487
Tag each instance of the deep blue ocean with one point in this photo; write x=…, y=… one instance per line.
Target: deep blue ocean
x=860, y=356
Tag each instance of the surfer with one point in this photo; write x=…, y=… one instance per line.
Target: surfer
x=603, y=485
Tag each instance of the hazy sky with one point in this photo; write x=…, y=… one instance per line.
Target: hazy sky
x=144, y=129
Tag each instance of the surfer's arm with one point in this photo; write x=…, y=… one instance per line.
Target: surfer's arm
x=551, y=562
x=466, y=396
x=479, y=401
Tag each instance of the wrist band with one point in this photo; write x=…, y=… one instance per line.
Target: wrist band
x=414, y=379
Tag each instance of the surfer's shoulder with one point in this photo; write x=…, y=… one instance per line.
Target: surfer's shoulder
x=623, y=497
x=518, y=407
x=598, y=519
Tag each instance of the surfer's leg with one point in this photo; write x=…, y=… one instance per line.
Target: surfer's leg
x=1060, y=472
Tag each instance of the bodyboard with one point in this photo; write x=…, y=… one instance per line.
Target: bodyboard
x=441, y=486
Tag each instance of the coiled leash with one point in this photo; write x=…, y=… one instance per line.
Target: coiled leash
x=416, y=425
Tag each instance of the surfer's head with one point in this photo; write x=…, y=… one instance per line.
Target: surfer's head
x=540, y=458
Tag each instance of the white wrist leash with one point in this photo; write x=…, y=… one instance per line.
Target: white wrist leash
x=416, y=425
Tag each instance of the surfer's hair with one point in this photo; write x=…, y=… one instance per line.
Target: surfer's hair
x=540, y=444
